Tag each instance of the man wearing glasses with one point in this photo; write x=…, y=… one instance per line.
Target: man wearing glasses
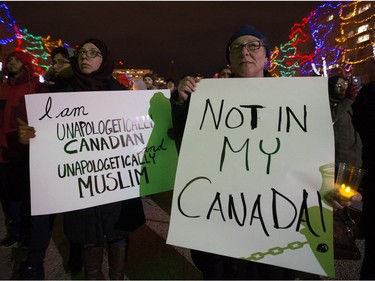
x=60, y=60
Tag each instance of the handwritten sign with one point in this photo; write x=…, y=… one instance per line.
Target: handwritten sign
x=94, y=148
x=254, y=162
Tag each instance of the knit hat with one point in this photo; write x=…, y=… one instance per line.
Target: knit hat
x=248, y=30
x=26, y=59
x=150, y=76
x=60, y=50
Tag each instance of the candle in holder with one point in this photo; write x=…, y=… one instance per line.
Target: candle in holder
x=346, y=191
x=348, y=180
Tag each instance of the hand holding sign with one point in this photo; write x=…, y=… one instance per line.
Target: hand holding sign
x=186, y=86
x=25, y=132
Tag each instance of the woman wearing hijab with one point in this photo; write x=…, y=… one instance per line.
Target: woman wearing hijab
x=110, y=223
x=92, y=69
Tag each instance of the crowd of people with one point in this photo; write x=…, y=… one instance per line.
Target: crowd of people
x=90, y=68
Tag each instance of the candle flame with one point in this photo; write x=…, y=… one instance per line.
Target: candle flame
x=346, y=188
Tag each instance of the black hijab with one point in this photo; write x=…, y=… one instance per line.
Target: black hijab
x=97, y=80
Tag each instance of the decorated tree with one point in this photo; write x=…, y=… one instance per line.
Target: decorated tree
x=328, y=41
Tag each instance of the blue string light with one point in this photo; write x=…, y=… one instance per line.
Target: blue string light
x=9, y=24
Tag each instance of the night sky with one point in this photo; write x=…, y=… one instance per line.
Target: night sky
x=153, y=33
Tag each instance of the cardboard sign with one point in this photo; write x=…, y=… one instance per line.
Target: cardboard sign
x=94, y=148
x=256, y=157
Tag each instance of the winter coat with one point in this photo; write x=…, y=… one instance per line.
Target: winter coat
x=348, y=145
x=16, y=155
x=13, y=96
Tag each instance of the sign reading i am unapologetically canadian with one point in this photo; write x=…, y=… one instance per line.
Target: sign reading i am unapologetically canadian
x=255, y=162
x=94, y=148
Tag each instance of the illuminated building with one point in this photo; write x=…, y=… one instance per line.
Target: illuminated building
x=135, y=73
x=336, y=38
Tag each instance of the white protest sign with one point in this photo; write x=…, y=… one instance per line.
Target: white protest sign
x=254, y=157
x=94, y=148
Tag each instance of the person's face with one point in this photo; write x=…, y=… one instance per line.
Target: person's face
x=148, y=81
x=59, y=63
x=341, y=86
x=14, y=65
x=89, y=58
x=225, y=73
x=247, y=63
x=171, y=86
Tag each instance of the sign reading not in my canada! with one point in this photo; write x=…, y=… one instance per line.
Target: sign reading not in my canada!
x=255, y=161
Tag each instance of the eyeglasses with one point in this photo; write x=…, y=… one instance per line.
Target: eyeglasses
x=89, y=53
x=250, y=46
x=59, y=62
x=339, y=85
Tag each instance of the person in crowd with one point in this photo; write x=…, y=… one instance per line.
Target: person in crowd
x=149, y=80
x=22, y=80
x=110, y=223
x=170, y=84
x=348, y=145
x=247, y=52
x=41, y=226
x=364, y=118
x=225, y=72
x=3, y=163
x=59, y=67
x=139, y=84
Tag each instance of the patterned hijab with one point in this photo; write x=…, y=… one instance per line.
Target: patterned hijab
x=97, y=80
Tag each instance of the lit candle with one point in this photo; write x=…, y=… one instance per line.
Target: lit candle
x=346, y=191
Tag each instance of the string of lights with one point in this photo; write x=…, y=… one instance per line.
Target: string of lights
x=321, y=41
x=40, y=47
x=9, y=24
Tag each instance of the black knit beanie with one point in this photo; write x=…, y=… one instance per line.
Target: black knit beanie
x=248, y=29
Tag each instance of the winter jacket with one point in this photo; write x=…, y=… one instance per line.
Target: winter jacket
x=348, y=145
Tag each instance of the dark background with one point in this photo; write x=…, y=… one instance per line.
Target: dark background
x=150, y=34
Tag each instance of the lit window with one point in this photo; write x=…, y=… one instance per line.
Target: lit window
x=364, y=8
x=350, y=33
x=363, y=38
x=363, y=28
x=330, y=17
